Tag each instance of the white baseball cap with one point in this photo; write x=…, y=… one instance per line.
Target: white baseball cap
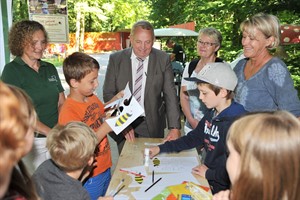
x=219, y=74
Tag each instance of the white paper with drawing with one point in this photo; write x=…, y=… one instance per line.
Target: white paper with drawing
x=173, y=164
x=166, y=180
x=126, y=111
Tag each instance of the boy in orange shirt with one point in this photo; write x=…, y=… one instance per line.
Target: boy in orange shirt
x=81, y=73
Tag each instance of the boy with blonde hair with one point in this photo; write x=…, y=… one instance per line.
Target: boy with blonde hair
x=216, y=83
x=81, y=73
x=72, y=149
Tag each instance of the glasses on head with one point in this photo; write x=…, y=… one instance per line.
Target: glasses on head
x=206, y=43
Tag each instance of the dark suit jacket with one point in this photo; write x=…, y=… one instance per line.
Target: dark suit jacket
x=160, y=93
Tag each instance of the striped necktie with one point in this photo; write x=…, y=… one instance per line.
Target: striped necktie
x=138, y=81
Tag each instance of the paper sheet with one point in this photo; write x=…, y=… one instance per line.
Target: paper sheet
x=126, y=114
x=173, y=164
x=121, y=197
x=152, y=143
x=167, y=180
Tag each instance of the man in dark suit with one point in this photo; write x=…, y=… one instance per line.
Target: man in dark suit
x=158, y=94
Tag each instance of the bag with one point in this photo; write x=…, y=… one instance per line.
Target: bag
x=194, y=63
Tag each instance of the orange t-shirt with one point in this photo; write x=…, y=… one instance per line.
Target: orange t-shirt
x=89, y=112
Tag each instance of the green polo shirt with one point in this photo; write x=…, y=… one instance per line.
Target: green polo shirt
x=43, y=87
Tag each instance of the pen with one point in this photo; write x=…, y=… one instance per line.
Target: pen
x=136, y=174
x=153, y=184
x=119, y=190
x=153, y=176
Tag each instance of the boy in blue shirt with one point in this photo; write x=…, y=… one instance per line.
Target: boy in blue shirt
x=216, y=83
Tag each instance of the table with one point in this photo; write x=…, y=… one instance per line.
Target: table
x=132, y=155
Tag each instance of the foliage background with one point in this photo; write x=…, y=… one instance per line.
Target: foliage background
x=225, y=15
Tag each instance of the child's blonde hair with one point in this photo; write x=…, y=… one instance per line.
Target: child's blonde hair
x=269, y=146
x=71, y=146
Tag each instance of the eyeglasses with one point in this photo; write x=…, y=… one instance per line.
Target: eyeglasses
x=206, y=43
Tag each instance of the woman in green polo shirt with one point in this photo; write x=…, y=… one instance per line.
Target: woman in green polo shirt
x=39, y=79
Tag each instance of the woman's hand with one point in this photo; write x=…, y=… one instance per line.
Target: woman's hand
x=193, y=122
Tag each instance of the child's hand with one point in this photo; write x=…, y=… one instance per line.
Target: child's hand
x=106, y=198
x=120, y=94
x=200, y=170
x=116, y=97
x=222, y=195
x=154, y=151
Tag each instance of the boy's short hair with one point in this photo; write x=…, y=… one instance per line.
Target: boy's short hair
x=218, y=74
x=78, y=65
x=71, y=146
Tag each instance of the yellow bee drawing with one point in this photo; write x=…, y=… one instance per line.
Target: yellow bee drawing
x=138, y=179
x=156, y=162
x=122, y=119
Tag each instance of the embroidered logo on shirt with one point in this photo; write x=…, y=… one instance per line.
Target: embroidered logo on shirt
x=52, y=79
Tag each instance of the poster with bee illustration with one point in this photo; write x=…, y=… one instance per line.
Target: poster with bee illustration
x=123, y=111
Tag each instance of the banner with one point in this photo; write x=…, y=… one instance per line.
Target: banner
x=54, y=17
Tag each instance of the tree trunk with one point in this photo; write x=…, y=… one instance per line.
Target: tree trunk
x=81, y=44
x=77, y=35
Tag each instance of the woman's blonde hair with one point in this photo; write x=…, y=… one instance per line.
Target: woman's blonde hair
x=269, y=146
x=71, y=146
x=268, y=24
x=17, y=116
